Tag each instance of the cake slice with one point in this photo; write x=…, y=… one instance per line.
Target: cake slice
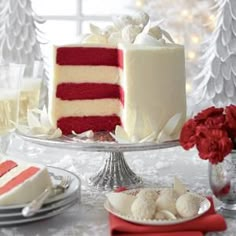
x=21, y=181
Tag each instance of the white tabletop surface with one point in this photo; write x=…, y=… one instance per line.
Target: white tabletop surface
x=87, y=218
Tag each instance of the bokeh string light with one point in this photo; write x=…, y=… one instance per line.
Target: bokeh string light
x=190, y=22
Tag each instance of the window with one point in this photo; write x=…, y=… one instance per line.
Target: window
x=67, y=19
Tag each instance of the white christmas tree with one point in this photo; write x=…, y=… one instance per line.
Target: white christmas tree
x=216, y=83
x=20, y=36
x=186, y=20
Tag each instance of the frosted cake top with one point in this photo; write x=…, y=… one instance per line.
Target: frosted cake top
x=135, y=29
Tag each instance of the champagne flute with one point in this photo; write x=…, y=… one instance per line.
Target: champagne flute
x=10, y=76
x=30, y=89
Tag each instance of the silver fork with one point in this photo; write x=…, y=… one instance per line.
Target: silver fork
x=64, y=184
x=33, y=207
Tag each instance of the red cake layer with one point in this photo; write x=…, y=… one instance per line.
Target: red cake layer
x=81, y=124
x=6, y=166
x=23, y=176
x=89, y=56
x=74, y=91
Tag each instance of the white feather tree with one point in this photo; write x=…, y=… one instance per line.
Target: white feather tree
x=20, y=37
x=216, y=83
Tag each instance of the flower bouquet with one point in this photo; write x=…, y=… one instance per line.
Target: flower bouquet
x=212, y=131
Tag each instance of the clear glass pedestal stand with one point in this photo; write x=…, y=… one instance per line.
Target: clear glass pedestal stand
x=115, y=171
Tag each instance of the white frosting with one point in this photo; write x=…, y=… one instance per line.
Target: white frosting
x=154, y=90
x=29, y=189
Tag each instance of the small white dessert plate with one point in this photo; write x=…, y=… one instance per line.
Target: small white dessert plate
x=13, y=222
x=56, y=174
x=46, y=208
x=204, y=207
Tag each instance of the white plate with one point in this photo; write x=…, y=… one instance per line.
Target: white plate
x=45, y=208
x=204, y=207
x=46, y=215
x=56, y=174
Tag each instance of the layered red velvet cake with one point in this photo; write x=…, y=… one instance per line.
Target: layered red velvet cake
x=91, y=85
x=20, y=181
x=137, y=86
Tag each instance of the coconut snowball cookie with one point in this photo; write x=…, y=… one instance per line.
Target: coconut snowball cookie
x=187, y=205
x=143, y=209
x=148, y=194
x=167, y=201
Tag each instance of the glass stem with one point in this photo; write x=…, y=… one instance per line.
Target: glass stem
x=5, y=141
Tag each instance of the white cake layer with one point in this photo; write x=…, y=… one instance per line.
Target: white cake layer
x=93, y=107
x=154, y=87
x=29, y=189
x=86, y=74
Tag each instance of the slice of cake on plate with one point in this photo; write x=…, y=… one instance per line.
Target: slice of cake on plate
x=21, y=181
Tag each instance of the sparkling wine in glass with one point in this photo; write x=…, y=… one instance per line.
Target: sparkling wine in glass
x=10, y=76
x=30, y=89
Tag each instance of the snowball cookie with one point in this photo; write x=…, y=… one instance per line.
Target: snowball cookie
x=167, y=200
x=187, y=205
x=148, y=194
x=143, y=209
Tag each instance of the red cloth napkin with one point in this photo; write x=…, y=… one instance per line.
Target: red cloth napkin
x=210, y=221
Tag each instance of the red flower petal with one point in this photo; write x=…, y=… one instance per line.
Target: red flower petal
x=187, y=135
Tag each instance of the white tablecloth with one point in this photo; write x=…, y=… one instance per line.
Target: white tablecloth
x=88, y=218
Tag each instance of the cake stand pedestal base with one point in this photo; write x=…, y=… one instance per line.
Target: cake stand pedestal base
x=115, y=173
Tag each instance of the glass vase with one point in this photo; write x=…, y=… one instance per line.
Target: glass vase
x=222, y=178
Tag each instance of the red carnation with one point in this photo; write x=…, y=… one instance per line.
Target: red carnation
x=230, y=112
x=214, y=145
x=216, y=122
x=209, y=112
x=213, y=131
x=187, y=135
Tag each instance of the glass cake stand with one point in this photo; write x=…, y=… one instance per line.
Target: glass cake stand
x=115, y=171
